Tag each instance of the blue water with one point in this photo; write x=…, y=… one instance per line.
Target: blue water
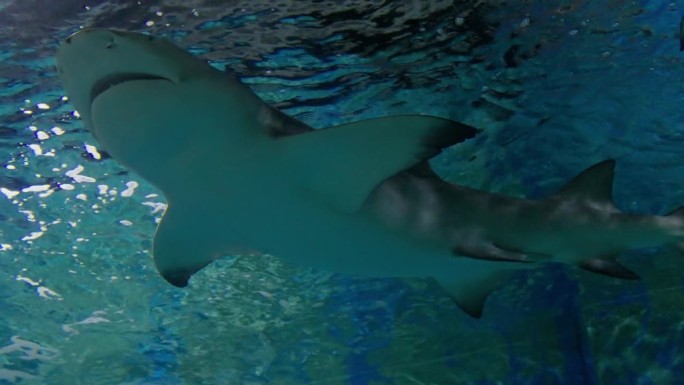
x=556, y=86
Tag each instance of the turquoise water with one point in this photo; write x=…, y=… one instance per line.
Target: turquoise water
x=556, y=87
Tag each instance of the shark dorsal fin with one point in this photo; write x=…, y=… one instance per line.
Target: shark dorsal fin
x=343, y=164
x=594, y=184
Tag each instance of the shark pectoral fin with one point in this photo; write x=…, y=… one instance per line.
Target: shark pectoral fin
x=491, y=252
x=609, y=267
x=471, y=283
x=594, y=184
x=343, y=164
x=186, y=242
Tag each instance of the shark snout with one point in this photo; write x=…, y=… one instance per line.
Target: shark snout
x=103, y=37
x=91, y=60
x=83, y=58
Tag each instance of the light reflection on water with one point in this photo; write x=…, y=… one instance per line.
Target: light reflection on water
x=27, y=351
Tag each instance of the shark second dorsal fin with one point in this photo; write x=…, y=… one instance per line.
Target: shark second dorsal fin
x=594, y=184
x=343, y=164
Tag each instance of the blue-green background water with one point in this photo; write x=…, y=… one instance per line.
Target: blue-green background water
x=556, y=85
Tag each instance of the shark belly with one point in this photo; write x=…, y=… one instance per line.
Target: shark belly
x=303, y=232
x=306, y=234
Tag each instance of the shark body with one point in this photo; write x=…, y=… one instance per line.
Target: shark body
x=240, y=176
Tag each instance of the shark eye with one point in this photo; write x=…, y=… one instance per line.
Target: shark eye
x=150, y=38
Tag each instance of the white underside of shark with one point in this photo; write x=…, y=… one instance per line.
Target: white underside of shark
x=241, y=177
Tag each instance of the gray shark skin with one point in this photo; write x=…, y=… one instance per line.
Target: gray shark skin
x=360, y=198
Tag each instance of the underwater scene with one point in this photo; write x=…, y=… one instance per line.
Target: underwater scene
x=553, y=87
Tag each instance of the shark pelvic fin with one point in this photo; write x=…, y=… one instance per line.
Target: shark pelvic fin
x=594, y=184
x=491, y=252
x=343, y=164
x=182, y=246
x=609, y=267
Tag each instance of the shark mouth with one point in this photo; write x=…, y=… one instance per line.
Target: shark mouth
x=110, y=81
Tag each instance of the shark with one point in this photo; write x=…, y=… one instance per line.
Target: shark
x=241, y=177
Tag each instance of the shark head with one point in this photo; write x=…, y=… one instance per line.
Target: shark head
x=143, y=98
x=91, y=62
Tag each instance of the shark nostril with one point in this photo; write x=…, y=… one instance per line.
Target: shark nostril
x=68, y=40
x=110, y=44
